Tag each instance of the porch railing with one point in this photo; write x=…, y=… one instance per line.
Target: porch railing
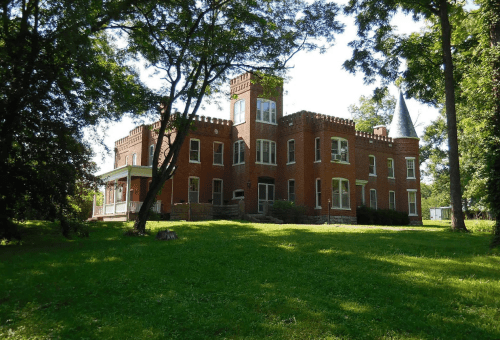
x=121, y=208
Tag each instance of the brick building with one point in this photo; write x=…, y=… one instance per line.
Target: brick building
x=260, y=156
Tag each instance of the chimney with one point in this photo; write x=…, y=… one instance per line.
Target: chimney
x=380, y=130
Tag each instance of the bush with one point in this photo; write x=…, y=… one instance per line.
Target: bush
x=366, y=215
x=288, y=211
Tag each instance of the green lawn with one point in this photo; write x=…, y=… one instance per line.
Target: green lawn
x=247, y=281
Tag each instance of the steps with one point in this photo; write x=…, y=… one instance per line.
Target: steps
x=260, y=218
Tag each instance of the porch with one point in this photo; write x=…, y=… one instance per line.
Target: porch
x=118, y=203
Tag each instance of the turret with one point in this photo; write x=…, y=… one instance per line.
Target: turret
x=402, y=126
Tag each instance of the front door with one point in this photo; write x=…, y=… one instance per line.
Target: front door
x=266, y=194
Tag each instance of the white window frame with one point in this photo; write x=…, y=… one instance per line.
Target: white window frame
x=221, y=190
x=238, y=197
x=294, y=190
x=390, y=168
x=290, y=161
x=259, y=152
x=317, y=150
x=189, y=189
x=151, y=154
x=239, y=115
x=221, y=154
x=237, y=147
x=394, y=203
x=370, y=172
x=134, y=159
x=373, y=201
x=199, y=151
x=126, y=160
x=341, y=193
x=410, y=160
x=337, y=157
x=317, y=189
x=259, y=116
x=410, y=193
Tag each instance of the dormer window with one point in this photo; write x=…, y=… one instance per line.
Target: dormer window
x=266, y=111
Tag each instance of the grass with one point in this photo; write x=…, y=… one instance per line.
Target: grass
x=237, y=280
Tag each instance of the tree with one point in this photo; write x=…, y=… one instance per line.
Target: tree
x=58, y=74
x=199, y=45
x=377, y=37
x=373, y=111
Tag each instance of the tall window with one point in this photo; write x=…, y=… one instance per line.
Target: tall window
x=194, y=151
x=390, y=167
x=291, y=151
x=340, y=193
x=410, y=167
x=318, y=193
x=217, y=192
x=340, y=150
x=266, y=152
x=134, y=159
x=373, y=198
x=317, y=149
x=218, y=153
x=392, y=200
x=266, y=111
x=239, y=152
x=372, y=169
x=239, y=111
x=291, y=190
x=412, y=202
x=194, y=190
x=126, y=160
x=151, y=154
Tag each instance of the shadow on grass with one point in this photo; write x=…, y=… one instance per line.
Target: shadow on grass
x=240, y=280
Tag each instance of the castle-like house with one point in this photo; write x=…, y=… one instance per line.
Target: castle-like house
x=260, y=156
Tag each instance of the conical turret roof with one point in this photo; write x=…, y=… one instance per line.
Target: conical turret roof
x=401, y=125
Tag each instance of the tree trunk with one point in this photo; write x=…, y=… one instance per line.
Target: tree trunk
x=142, y=216
x=457, y=222
x=493, y=7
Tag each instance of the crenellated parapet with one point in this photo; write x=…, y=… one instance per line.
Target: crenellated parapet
x=303, y=120
x=135, y=135
x=367, y=140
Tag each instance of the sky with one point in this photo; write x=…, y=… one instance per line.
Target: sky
x=316, y=83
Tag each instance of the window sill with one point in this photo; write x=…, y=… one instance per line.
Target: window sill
x=317, y=161
x=261, y=163
x=290, y=163
x=264, y=122
x=413, y=215
x=411, y=178
x=238, y=198
x=197, y=162
x=218, y=164
x=341, y=162
x=332, y=208
x=372, y=175
x=239, y=164
x=391, y=177
x=236, y=124
x=317, y=208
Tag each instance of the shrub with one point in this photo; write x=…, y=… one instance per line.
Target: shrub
x=366, y=215
x=288, y=211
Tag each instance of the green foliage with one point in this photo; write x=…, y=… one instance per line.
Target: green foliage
x=59, y=73
x=288, y=211
x=369, y=216
x=373, y=111
x=433, y=195
x=240, y=280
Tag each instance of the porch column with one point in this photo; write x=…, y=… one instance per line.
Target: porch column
x=93, y=206
x=114, y=196
x=128, y=193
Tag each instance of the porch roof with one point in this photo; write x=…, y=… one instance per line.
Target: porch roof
x=123, y=171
